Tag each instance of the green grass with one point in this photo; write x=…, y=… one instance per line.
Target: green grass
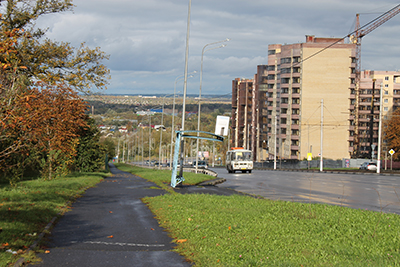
x=162, y=177
x=241, y=230
x=244, y=231
x=27, y=208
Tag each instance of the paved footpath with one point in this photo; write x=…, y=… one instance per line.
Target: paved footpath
x=110, y=226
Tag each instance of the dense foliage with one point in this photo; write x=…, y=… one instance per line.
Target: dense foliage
x=392, y=133
x=43, y=126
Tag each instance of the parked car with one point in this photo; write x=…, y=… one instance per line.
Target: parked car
x=202, y=164
x=369, y=166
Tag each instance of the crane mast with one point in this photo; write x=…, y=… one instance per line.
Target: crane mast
x=356, y=39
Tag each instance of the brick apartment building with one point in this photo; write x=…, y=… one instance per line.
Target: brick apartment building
x=286, y=95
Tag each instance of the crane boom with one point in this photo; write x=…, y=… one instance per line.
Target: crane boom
x=356, y=39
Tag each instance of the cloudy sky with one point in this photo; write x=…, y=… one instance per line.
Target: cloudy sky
x=146, y=39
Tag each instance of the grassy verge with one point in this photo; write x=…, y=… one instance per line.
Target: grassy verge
x=239, y=230
x=243, y=231
x=162, y=177
x=26, y=209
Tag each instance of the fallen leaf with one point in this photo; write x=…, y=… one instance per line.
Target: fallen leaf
x=47, y=251
x=181, y=240
x=189, y=219
x=110, y=236
x=110, y=211
x=152, y=229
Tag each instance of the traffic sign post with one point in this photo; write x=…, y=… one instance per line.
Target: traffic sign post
x=391, y=152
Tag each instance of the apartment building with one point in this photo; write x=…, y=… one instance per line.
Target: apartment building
x=306, y=92
x=301, y=79
x=371, y=84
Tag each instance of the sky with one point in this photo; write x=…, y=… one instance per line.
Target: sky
x=146, y=39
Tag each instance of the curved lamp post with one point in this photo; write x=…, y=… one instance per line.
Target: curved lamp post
x=201, y=78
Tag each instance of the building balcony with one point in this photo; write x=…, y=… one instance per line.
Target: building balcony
x=295, y=106
x=351, y=128
x=295, y=95
x=284, y=105
x=351, y=138
x=282, y=136
x=295, y=116
x=295, y=137
x=283, y=125
x=296, y=148
x=284, y=95
x=396, y=86
x=295, y=126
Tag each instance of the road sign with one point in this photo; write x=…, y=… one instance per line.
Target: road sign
x=391, y=152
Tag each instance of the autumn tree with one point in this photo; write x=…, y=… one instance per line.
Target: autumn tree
x=392, y=133
x=39, y=78
x=43, y=59
x=44, y=127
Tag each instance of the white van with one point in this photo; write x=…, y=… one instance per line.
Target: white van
x=239, y=159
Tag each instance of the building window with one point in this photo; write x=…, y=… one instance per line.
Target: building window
x=386, y=100
x=296, y=70
x=295, y=132
x=386, y=85
x=385, y=109
x=296, y=59
x=352, y=81
x=296, y=90
x=353, y=60
x=286, y=60
x=271, y=67
x=271, y=77
x=286, y=70
x=270, y=86
x=296, y=80
x=284, y=111
x=284, y=101
x=386, y=92
x=285, y=80
x=271, y=52
x=296, y=111
x=386, y=78
x=296, y=101
x=285, y=90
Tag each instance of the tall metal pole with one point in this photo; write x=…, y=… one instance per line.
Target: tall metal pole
x=161, y=130
x=201, y=80
x=378, y=169
x=186, y=67
x=321, y=164
x=276, y=125
x=185, y=88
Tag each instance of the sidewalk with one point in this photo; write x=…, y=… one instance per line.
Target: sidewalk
x=110, y=226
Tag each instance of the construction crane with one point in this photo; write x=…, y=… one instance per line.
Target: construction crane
x=355, y=38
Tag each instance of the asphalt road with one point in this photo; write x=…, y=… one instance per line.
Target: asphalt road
x=362, y=190
x=111, y=226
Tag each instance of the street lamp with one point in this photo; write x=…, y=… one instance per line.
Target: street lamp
x=173, y=113
x=201, y=78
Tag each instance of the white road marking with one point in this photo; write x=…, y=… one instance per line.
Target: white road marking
x=120, y=244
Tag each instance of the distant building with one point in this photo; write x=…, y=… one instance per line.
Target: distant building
x=280, y=108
